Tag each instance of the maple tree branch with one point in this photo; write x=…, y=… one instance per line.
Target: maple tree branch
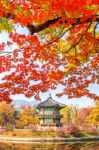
x=95, y=29
x=93, y=38
x=35, y=29
x=58, y=37
x=5, y=52
x=79, y=38
x=73, y=25
x=75, y=49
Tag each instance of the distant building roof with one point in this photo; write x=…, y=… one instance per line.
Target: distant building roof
x=50, y=103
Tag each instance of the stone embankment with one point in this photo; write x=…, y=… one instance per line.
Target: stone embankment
x=57, y=139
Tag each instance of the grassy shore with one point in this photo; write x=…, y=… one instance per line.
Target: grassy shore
x=42, y=134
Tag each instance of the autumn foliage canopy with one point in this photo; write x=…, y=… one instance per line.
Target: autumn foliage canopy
x=60, y=47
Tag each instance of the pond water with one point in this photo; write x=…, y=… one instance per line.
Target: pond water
x=50, y=146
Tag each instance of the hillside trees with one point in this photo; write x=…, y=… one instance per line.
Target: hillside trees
x=61, y=47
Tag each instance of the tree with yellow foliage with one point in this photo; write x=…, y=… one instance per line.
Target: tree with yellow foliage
x=8, y=115
x=93, y=118
x=26, y=117
x=66, y=112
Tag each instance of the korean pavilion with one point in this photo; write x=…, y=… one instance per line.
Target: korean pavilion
x=49, y=112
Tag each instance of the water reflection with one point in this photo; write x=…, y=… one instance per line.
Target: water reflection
x=62, y=146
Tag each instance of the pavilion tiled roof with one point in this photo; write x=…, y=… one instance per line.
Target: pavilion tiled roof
x=50, y=103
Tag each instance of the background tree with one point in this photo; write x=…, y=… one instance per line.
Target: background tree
x=66, y=112
x=82, y=115
x=8, y=115
x=93, y=117
x=26, y=117
x=61, y=47
x=75, y=115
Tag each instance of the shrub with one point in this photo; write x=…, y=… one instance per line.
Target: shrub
x=33, y=128
x=90, y=129
x=22, y=132
x=60, y=132
x=10, y=133
x=73, y=130
x=9, y=127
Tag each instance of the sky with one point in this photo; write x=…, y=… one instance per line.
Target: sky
x=79, y=102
